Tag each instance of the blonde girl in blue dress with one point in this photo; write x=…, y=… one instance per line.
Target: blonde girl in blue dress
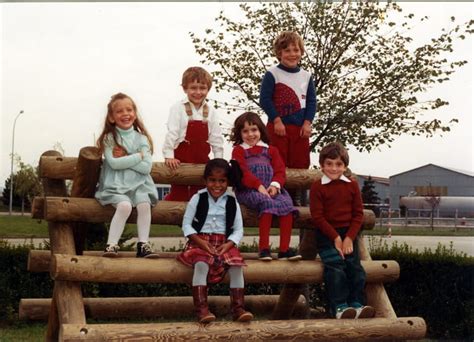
x=125, y=181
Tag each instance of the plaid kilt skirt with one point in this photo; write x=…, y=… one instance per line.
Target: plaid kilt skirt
x=218, y=264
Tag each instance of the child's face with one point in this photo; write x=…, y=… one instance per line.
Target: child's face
x=196, y=92
x=123, y=114
x=250, y=134
x=291, y=56
x=333, y=168
x=217, y=183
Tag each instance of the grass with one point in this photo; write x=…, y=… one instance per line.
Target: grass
x=23, y=331
x=24, y=227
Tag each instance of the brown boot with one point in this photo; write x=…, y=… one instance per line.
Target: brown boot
x=237, y=306
x=200, y=304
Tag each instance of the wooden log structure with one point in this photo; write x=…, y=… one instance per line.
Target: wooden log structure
x=58, y=167
x=37, y=309
x=67, y=309
x=165, y=212
x=139, y=270
x=407, y=328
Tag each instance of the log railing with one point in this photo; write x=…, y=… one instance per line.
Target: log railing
x=67, y=222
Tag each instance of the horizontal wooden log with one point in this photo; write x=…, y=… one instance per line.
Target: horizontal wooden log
x=186, y=174
x=37, y=309
x=407, y=328
x=121, y=270
x=75, y=209
x=39, y=260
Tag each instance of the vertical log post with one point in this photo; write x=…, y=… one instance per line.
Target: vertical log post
x=375, y=292
x=291, y=292
x=84, y=184
x=67, y=305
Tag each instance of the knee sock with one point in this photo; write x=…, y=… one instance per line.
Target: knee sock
x=201, y=269
x=122, y=212
x=236, y=276
x=143, y=221
x=264, y=225
x=286, y=224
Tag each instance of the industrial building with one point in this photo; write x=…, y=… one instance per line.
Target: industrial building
x=430, y=180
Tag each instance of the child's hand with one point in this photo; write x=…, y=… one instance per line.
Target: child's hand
x=305, y=131
x=338, y=246
x=119, y=152
x=172, y=163
x=347, y=245
x=203, y=244
x=279, y=127
x=224, y=247
x=262, y=190
x=272, y=191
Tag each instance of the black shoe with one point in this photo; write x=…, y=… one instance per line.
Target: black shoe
x=265, y=255
x=144, y=251
x=111, y=251
x=289, y=255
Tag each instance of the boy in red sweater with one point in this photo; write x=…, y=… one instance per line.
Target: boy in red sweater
x=337, y=212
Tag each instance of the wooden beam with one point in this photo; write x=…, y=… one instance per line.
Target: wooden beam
x=165, y=212
x=67, y=306
x=121, y=270
x=37, y=309
x=39, y=260
x=58, y=167
x=408, y=328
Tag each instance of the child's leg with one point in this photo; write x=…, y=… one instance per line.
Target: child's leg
x=335, y=280
x=122, y=212
x=286, y=225
x=143, y=221
x=237, y=290
x=201, y=269
x=356, y=277
x=264, y=225
x=201, y=307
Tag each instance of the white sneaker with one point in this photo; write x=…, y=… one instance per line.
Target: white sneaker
x=365, y=312
x=111, y=251
x=346, y=313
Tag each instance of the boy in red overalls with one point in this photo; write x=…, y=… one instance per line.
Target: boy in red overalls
x=193, y=129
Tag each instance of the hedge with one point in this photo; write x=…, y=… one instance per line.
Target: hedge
x=436, y=285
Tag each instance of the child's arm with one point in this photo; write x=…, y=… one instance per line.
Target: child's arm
x=145, y=165
x=248, y=178
x=279, y=169
x=172, y=136
x=121, y=163
x=237, y=233
x=357, y=211
x=310, y=110
x=215, y=135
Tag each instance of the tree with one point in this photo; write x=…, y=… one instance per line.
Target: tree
x=370, y=196
x=367, y=76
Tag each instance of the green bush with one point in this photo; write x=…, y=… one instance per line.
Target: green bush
x=436, y=285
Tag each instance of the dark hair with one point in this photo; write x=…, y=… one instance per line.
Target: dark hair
x=252, y=119
x=231, y=170
x=334, y=150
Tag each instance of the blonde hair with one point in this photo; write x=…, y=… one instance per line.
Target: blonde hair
x=109, y=127
x=196, y=74
x=284, y=39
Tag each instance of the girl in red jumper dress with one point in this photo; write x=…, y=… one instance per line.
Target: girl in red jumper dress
x=263, y=179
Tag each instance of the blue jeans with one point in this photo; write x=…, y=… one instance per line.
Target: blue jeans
x=344, y=279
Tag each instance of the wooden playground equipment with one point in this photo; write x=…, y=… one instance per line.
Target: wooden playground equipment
x=69, y=265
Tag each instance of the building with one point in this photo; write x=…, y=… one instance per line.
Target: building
x=381, y=186
x=431, y=180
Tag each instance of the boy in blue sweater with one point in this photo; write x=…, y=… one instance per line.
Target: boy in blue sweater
x=288, y=97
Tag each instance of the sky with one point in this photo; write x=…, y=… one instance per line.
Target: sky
x=61, y=62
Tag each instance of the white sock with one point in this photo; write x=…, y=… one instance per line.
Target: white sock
x=122, y=212
x=143, y=221
x=201, y=269
x=236, y=276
